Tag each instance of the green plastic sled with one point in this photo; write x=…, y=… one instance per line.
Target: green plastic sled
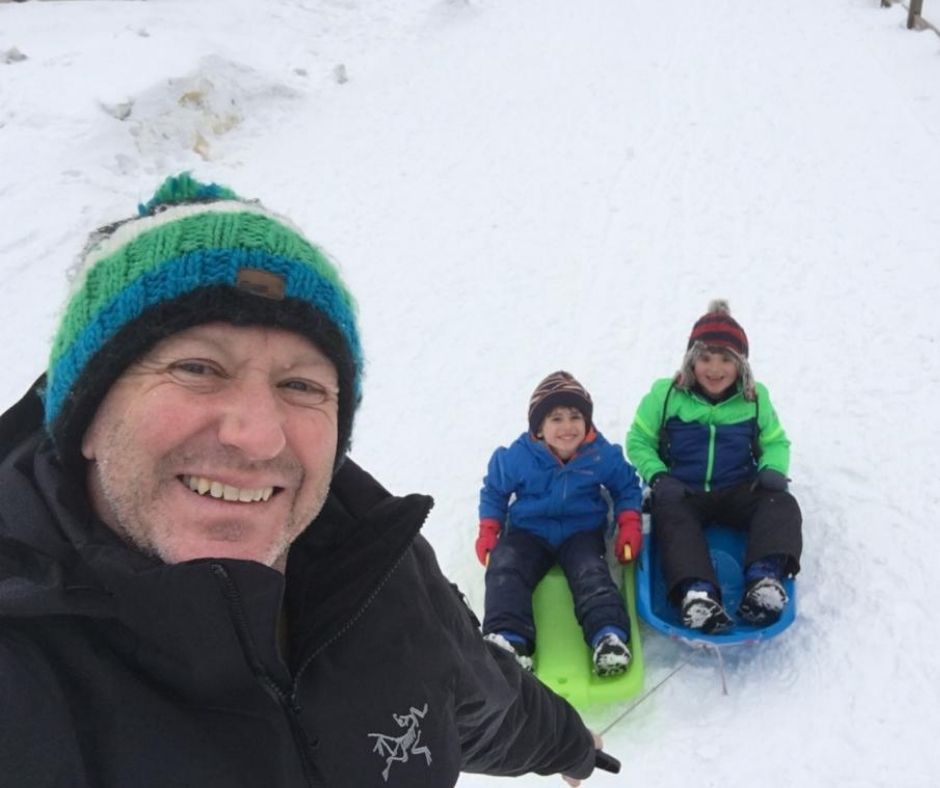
x=563, y=659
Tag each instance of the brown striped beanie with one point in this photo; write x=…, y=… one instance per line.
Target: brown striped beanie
x=560, y=389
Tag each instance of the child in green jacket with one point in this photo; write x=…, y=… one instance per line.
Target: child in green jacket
x=710, y=446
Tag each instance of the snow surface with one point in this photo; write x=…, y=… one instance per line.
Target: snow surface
x=513, y=188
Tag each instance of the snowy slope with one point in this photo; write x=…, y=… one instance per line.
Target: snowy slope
x=513, y=188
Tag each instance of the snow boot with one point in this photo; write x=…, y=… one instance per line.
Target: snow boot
x=611, y=655
x=763, y=602
x=700, y=610
x=521, y=649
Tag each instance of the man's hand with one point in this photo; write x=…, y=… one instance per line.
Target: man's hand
x=598, y=745
x=629, y=536
x=486, y=541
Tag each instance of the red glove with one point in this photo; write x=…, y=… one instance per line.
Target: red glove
x=486, y=541
x=629, y=536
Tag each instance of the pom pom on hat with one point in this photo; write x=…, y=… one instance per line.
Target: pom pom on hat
x=184, y=188
x=197, y=253
x=560, y=389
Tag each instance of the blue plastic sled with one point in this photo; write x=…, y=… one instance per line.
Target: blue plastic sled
x=727, y=551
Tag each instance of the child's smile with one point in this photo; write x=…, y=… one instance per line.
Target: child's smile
x=715, y=371
x=563, y=431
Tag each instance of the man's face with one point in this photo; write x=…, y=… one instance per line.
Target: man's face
x=218, y=443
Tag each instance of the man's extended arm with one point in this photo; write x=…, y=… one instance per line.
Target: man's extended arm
x=508, y=722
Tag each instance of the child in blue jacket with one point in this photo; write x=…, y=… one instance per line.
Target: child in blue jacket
x=543, y=503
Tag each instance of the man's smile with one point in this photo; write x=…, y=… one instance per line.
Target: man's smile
x=216, y=489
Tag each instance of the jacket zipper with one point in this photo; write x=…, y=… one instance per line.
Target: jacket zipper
x=355, y=617
x=286, y=701
x=289, y=702
x=710, y=462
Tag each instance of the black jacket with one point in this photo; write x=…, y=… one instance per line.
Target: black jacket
x=119, y=670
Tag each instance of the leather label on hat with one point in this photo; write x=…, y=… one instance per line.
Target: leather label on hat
x=261, y=282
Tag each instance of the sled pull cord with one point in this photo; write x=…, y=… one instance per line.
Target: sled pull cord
x=721, y=665
x=682, y=663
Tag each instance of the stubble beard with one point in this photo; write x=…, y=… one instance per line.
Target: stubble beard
x=133, y=512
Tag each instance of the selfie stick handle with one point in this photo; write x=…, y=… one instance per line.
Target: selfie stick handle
x=606, y=762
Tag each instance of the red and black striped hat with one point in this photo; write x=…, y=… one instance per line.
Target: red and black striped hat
x=716, y=328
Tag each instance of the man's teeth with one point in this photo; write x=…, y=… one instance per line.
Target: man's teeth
x=202, y=485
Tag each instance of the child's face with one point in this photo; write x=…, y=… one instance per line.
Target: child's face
x=715, y=371
x=563, y=431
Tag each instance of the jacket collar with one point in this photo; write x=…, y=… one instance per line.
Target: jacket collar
x=346, y=554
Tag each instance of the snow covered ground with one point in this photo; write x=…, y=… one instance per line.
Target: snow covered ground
x=513, y=188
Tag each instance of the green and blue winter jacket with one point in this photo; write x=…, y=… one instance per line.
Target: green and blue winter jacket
x=554, y=500
x=707, y=445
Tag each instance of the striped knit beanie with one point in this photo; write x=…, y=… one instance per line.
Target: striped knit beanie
x=559, y=389
x=197, y=253
x=717, y=329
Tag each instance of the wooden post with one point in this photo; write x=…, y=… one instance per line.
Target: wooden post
x=913, y=14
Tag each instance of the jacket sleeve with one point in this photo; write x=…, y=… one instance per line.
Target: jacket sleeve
x=643, y=437
x=498, y=486
x=508, y=722
x=773, y=441
x=622, y=483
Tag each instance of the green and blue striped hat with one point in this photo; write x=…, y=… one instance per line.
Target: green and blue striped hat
x=197, y=253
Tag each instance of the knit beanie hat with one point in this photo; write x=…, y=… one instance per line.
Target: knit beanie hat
x=559, y=389
x=717, y=329
x=197, y=253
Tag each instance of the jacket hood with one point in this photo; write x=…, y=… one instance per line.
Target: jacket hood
x=41, y=572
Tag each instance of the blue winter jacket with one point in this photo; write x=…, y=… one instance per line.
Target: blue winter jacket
x=535, y=491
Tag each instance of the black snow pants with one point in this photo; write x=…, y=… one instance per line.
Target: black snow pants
x=521, y=559
x=772, y=520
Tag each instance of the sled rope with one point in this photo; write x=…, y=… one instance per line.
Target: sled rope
x=711, y=648
x=706, y=647
x=721, y=666
x=645, y=695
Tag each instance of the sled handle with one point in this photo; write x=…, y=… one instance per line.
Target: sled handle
x=606, y=762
